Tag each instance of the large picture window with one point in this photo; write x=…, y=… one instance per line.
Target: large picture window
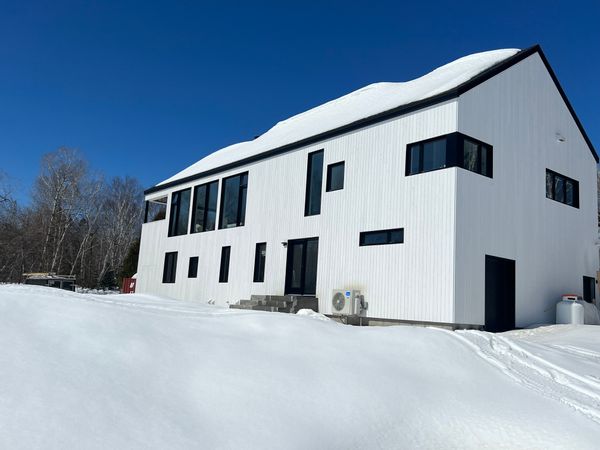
x=451, y=150
x=204, y=209
x=562, y=189
x=180, y=212
x=170, y=267
x=233, y=201
x=314, y=184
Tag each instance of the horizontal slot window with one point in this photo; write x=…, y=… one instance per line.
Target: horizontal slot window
x=382, y=237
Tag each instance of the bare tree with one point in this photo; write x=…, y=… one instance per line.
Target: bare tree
x=122, y=218
x=56, y=195
x=77, y=223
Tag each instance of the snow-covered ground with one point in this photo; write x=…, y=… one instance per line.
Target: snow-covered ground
x=138, y=372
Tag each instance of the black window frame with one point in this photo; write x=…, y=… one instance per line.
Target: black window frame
x=552, y=195
x=589, y=289
x=170, y=268
x=454, y=154
x=241, y=203
x=311, y=209
x=330, y=168
x=175, y=213
x=159, y=215
x=208, y=189
x=260, y=262
x=193, y=267
x=387, y=234
x=224, y=264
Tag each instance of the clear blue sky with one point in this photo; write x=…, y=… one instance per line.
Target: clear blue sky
x=147, y=88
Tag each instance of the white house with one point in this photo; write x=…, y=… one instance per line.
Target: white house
x=466, y=197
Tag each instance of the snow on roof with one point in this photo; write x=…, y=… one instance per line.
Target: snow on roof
x=365, y=102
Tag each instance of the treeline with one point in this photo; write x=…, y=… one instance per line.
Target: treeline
x=77, y=223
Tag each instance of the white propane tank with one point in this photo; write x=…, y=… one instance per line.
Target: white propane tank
x=570, y=310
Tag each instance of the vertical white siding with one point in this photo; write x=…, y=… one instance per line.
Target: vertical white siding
x=519, y=112
x=412, y=281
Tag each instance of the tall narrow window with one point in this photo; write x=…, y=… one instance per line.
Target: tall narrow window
x=170, y=267
x=233, y=201
x=335, y=177
x=260, y=258
x=314, y=183
x=193, y=267
x=589, y=289
x=204, y=208
x=224, y=267
x=562, y=189
x=180, y=211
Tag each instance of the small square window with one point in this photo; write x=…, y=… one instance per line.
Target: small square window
x=335, y=176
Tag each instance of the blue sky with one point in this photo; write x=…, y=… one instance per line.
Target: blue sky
x=147, y=88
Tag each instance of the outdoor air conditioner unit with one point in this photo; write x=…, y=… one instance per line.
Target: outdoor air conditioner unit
x=347, y=302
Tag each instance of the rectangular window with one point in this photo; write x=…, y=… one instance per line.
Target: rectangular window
x=204, y=207
x=434, y=155
x=314, y=183
x=451, y=150
x=193, y=267
x=335, y=177
x=233, y=201
x=180, y=211
x=562, y=189
x=260, y=258
x=589, y=289
x=224, y=267
x=156, y=209
x=477, y=157
x=382, y=237
x=170, y=267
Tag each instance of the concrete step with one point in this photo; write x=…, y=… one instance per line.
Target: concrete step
x=248, y=302
x=264, y=308
x=239, y=307
x=278, y=303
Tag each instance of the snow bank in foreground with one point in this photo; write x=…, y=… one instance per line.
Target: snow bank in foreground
x=365, y=102
x=137, y=372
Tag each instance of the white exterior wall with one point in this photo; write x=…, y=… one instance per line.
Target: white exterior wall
x=519, y=112
x=411, y=281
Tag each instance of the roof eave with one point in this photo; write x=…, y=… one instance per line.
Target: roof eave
x=392, y=113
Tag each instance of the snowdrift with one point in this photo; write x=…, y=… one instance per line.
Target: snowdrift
x=137, y=372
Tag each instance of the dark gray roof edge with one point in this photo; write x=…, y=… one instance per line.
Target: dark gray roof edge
x=390, y=114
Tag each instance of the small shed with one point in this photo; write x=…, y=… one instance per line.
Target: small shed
x=66, y=282
x=129, y=285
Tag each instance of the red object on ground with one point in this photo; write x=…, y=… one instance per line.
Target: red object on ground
x=128, y=286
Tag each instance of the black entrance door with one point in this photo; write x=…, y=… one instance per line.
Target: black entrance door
x=499, y=294
x=301, y=271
